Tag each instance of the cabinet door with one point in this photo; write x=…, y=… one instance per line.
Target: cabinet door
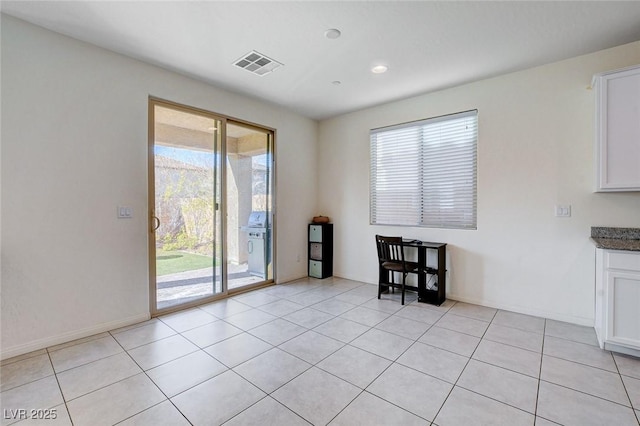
x=315, y=233
x=618, y=130
x=315, y=269
x=315, y=251
x=623, y=313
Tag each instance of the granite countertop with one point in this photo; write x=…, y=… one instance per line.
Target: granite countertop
x=616, y=238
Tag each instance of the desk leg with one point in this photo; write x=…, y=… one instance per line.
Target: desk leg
x=442, y=274
x=422, y=278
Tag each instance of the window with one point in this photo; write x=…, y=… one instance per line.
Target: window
x=423, y=173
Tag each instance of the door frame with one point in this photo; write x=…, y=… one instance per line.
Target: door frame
x=271, y=132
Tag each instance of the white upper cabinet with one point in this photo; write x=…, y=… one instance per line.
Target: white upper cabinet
x=618, y=130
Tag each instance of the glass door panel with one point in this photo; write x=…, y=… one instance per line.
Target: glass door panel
x=186, y=251
x=249, y=205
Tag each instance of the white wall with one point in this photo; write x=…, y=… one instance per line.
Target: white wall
x=535, y=150
x=74, y=146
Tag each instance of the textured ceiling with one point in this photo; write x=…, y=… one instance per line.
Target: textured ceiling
x=427, y=45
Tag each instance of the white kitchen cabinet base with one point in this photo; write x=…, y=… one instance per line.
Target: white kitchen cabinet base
x=617, y=314
x=621, y=349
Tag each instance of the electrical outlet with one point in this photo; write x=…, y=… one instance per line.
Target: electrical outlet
x=298, y=258
x=563, y=210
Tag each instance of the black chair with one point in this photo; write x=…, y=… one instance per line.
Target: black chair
x=391, y=260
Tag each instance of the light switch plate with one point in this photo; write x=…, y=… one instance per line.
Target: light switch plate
x=125, y=212
x=563, y=210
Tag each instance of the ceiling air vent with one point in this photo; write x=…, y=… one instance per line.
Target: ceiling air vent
x=257, y=63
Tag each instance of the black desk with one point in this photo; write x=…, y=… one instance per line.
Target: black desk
x=435, y=296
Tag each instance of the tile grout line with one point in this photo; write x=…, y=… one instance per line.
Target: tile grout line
x=586, y=365
x=332, y=353
x=76, y=342
x=391, y=364
x=102, y=387
x=497, y=366
x=267, y=395
x=5, y=362
x=587, y=394
x=377, y=377
x=149, y=408
x=625, y=389
x=395, y=361
x=108, y=334
x=544, y=329
x=552, y=356
x=55, y=374
x=278, y=346
x=343, y=345
x=583, y=364
x=350, y=402
x=151, y=380
x=464, y=368
x=580, y=391
x=111, y=334
x=31, y=381
x=133, y=326
x=310, y=364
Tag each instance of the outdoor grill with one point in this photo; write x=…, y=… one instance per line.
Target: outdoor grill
x=257, y=243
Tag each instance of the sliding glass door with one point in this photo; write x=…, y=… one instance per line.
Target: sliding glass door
x=185, y=157
x=248, y=198
x=211, y=208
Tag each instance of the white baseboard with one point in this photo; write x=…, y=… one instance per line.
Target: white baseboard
x=589, y=322
x=69, y=336
x=284, y=280
x=354, y=278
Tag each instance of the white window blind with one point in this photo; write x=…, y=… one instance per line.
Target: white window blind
x=423, y=173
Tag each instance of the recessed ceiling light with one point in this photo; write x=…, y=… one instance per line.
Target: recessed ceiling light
x=336, y=83
x=379, y=69
x=332, y=33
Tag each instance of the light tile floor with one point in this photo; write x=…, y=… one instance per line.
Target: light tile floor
x=327, y=352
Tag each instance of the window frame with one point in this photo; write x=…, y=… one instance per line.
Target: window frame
x=447, y=138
